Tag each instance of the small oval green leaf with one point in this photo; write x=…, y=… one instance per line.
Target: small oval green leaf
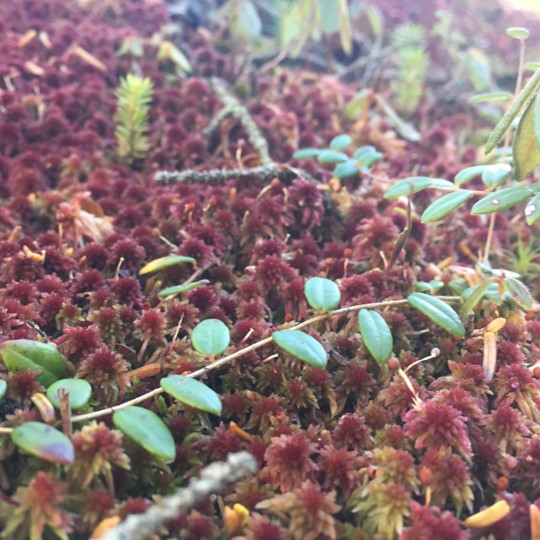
x=321, y=293
x=3, y=388
x=519, y=292
x=79, y=392
x=26, y=354
x=43, y=441
x=428, y=286
x=446, y=204
x=496, y=175
x=414, y=184
x=301, y=346
x=465, y=175
x=332, y=156
x=249, y=22
x=148, y=430
x=517, y=32
x=439, y=312
x=306, y=153
x=210, y=337
x=179, y=289
x=367, y=159
x=532, y=210
x=475, y=294
x=490, y=96
x=363, y=151
x=501, y=200
x=165, y=262
x=532, y=66
x=192, y=392
x=346, y=169
x=376, y=335
x=340, y=142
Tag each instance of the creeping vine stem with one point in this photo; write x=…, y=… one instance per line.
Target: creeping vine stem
x=250, y=348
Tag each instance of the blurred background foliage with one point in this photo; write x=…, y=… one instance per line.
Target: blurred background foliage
x=454, y=48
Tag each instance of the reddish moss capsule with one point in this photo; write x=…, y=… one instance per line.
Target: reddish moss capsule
x=426, y=476
x=502, y=483
x=393, y=363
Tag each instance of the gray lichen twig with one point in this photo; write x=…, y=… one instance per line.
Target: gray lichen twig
x=213, y=479
x=233, y=107
x=263, y=174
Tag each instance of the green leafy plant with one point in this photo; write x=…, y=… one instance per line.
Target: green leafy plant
x=43, y=441
x=301, y=346
x=524, y=259
x=376, y=335
x=24, y=354
x=289, y=24
x=192, y=392
x=210, y=337
x=345, y=166
x=134, y=95
x=322, y=293
x=79, y=392
x=148, y=430
x=412, y=63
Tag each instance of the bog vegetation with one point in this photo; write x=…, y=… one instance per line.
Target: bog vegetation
x=298, y=237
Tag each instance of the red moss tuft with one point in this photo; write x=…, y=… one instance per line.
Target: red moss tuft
x=351, y=432
x=428, y=522
x=433, y=425
x=288, y=461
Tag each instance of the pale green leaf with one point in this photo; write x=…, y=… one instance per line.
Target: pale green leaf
x=192, y=392
x=25, y=354
x=496, y=175
x=43, y=441
x=339, y=142
x=517, y=32
x=519, y=292
x=516, y=106
x=179, y=289
x=438, y=311
x=79, y=392
x=501, y=200
x=346, y=169
x=490, y=96
x=525, y=149
x=474, y=295
x=376, y=335
x=301, y=346
x=322, y=293
x=414, y=184
x=332, y=156
x=210, y=337
x=146, y=429
x=306, y=153
x=446, y=204
x=165, y=262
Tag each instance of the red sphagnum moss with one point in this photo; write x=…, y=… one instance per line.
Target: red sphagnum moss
x=357, y=450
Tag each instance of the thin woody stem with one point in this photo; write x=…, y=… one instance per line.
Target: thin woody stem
x=246, y=350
